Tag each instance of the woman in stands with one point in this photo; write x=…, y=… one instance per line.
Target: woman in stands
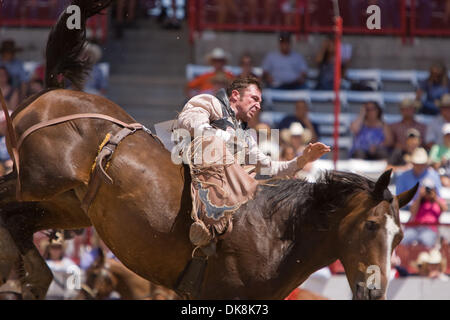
x=433, y=89
x=371, y=134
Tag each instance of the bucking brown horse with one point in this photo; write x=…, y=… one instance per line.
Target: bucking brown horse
x=289, y=230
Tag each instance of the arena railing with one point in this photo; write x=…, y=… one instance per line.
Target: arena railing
x=19, y=13
x=319, y=17
x=398, y=18
x=428, y=18
x=204, y=15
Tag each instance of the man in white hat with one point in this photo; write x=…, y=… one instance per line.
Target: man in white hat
x=421, y=170
x=434, y=129
x=408, y=108
x=211, y=81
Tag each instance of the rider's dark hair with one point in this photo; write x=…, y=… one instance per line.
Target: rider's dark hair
x=240, y=84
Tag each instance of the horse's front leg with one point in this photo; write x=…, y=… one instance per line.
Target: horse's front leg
x=37, y=276
x=9, y=254
x=33, y=272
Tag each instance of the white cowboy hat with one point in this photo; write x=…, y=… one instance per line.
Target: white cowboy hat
x=413, y=132
x=419, y=156
x=296, y=129
x=217, y=54
x=446, y=128
x=434, y=257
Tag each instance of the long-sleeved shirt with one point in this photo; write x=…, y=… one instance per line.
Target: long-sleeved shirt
x=201, y=110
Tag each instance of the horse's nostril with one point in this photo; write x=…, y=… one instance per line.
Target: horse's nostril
x=375, y=294
x=361, y=291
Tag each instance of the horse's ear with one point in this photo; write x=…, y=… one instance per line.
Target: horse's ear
x=382, y=183
x=405, y=197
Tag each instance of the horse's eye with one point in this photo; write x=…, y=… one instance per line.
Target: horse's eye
x=372, y=225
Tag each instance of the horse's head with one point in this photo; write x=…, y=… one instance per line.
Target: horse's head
x=368, y=236
x=100, y=281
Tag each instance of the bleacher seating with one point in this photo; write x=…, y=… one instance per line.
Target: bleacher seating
x=278, y=103
x=30, y=66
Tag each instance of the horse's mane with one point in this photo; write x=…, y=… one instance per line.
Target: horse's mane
x=309, y=203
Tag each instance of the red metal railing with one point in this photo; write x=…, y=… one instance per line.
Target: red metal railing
x=430, y=18
x=319, y=17
x=206, y=15
x=40, y=13
x=398, y=17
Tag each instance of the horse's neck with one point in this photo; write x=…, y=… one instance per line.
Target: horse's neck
x=310, y=250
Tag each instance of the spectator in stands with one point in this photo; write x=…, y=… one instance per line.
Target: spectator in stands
x=440, y=156
x=425, y=209
x=433, y=88
x=434, y=129
x=287, y=152
x=296, y=136
x=399, y=130
x=400, y=158
x=97, y=82
x=34, y=86
x=227, y=8
x=10, y=93
x=246, y=64
x=371, y=135
x=60, y=266
x=210, y=81
x=421, y=170
x=174, y=13
x=125, y=14
x=302, y=116
x=431, y=264
x=325, y=60
x=285, y=69
x=14, y=66
x=269, y=8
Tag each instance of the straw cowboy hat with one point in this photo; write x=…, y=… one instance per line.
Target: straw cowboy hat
x=434, y=257
x=217, y=54
x=9, y=46
x=419, y=156
x=431, y=257
x=406, y=103
x=444, y=102
x=56, y=241
x=296, y=129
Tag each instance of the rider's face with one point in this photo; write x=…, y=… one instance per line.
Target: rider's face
x=248, y=103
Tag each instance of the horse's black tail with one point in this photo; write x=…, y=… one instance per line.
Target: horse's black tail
x=66, y=42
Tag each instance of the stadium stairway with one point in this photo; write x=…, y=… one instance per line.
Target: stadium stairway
x=148, y=71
